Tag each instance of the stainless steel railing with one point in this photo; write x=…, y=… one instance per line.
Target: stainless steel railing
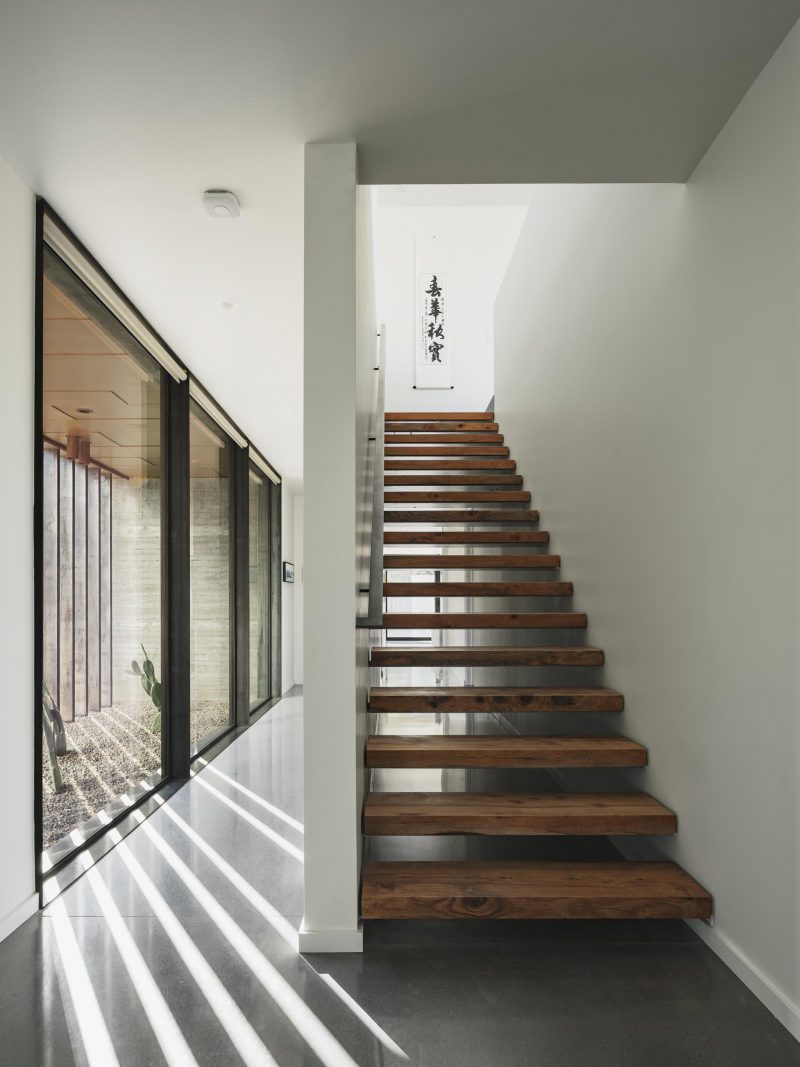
x=374, y=478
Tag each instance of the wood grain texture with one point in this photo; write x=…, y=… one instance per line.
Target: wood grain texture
x=441, y=427
x=464, y=589
x=439, y=416
x=472, y=563
x=449, y=464
x=387, y=750
x=452, y=450
x=452, y=479
x=463, y=516
x=484, y=620
x=507, y=698
x=487, y=656
x=466, y=537
x=530, y=890
x=521, y=496
x=443, y=438
x=539, y=814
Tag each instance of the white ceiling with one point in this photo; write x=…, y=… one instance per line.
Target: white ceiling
x=121, y=114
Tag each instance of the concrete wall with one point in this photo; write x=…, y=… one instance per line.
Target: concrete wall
x=480, y=238
x=17, y=899
x=136, y=587
x=135, y=583
x=646, y=366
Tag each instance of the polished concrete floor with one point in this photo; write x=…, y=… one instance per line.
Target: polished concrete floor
x=178, y=947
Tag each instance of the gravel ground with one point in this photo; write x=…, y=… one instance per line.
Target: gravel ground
x=107, y=753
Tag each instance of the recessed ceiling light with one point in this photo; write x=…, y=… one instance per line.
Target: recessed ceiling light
x=230, y=305
x=221, y=203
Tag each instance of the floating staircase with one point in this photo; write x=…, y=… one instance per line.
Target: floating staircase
x=437, y=464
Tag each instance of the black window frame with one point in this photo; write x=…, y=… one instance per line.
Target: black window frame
x=177, y=753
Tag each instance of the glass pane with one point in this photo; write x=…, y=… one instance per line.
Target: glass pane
x=259, y=588
x=210, y=548
x=102, y=542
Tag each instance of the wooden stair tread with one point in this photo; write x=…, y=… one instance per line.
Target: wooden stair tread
x=386, y=750
x=439, y=416
x=449, y=464
x=463, y=516
x=483, y=620
x=440, y=427
x=487, y=656
x=458, y=459
x=452, y=479
x=472, y=589
x=472, y=563
x=542, y=814
x=443, y=438
x=466, y=537
x=450, y=450
x=484, y=496
x=500, y=698
x=526, y=889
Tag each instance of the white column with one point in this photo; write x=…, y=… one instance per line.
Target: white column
x=330, y=922
x=17, y=897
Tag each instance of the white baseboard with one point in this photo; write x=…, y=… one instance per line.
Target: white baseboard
x=760, y=985
x=18, y=915
x=773, y=998
x=309, y=941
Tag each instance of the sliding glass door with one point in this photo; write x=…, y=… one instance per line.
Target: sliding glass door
x=102, y=543
x=211, y=578
x=157, y=552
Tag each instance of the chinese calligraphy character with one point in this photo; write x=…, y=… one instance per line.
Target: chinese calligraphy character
x=433, y=344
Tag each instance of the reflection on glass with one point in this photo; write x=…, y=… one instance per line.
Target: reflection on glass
x=210, y=459
x=259, y=587
x=101, y=573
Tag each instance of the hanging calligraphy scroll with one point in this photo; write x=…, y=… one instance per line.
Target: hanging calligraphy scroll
x=432, y=313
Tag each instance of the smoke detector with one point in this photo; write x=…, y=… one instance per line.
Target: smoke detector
x=221, y=204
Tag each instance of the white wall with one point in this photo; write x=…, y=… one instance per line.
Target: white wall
x=288, y=593
x=647, y=342
x=17, y=898
x=330, y=502
x=481, y=237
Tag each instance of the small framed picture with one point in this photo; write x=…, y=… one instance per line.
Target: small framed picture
x=288, y=572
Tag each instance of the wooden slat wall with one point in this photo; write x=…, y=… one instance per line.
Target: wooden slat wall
x=66, y=692
x=106, y=690
x=50, y=575
x=79, y=587
x=93, y=589
x=76, y=640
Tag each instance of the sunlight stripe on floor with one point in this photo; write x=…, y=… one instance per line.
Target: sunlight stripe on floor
x=262, y=827
x=309, y=1027
x=280, y=925
x=363, y=1016
x=167, y=1032
x=233, y=1020
x=97, y=1043
x=288, y=819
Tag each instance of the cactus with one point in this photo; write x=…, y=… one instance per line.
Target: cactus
x=151, y=686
